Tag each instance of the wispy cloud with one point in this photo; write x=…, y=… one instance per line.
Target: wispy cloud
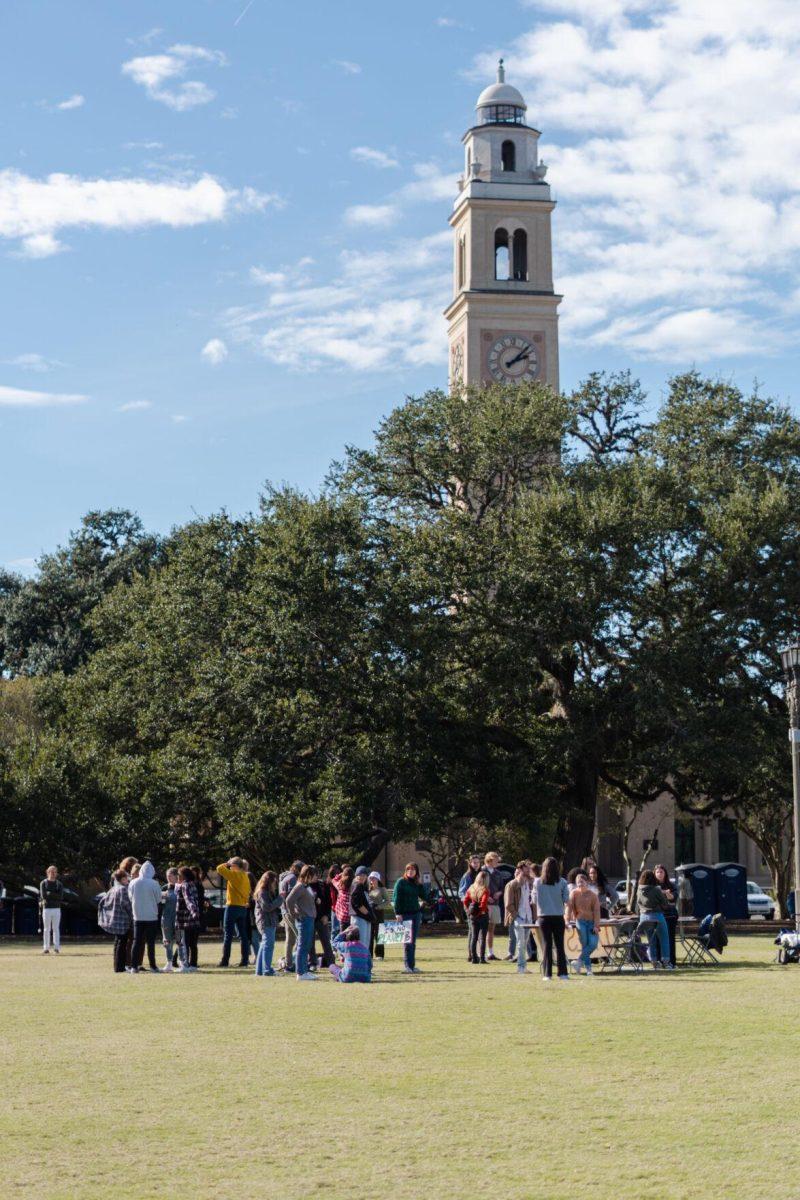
x=32, y=362
x=11, y=397
x=214, y=352
x=35, y=210
x=374, y=158
x=349, y=68
x=135, y=406
x=162, y=75
x=76, y=101
x=371, y=214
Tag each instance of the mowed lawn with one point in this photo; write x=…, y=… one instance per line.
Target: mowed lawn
x=455, y=1083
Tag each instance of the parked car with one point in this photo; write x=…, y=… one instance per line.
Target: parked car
x=759, y=902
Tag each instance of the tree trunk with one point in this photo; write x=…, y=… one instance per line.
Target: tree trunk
x=574, y=834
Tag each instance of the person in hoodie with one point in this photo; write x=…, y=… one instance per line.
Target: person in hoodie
x=285, y=884
x=169, y=901
x=267, y=913
x=114, y=907
x=651, y=905
x=357, y=966
x=301, y=905
x=145, y=896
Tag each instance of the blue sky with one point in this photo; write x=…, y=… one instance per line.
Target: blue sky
x=223, y=227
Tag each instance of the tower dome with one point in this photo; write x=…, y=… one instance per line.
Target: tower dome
x=500, y=103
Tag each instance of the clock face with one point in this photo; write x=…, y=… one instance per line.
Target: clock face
x=513, y=357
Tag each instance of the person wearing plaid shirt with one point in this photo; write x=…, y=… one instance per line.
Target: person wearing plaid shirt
x=115, y=915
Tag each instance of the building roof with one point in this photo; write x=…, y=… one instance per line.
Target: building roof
x=501, y=92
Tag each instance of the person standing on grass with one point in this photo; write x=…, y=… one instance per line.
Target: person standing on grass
x=363, y=917
x=379, y=899
x=168, y=902
x=237, y=899
x=357, y=966
x=51, y=897
x=301, y=905
x=651, y=905
x=464, y=884
x=285, y=884
x=550, y=895
x=476, y=906
x=268, y=914
x=491, y=862
x=341, y=906
x=519, y=912
x=584, y=909
x=407, y=900
x=115, y=916
x=602, y=888
x=187, y=918
x=333, y=873
x=322, y=921
x=145, y=894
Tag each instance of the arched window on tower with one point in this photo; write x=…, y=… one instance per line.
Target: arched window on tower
x=508, y=157
x=520, y=255
x=462, y=261
x=501, y=259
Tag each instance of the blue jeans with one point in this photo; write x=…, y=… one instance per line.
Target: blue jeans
x=235, y=922
x=410, y=948
x=305, y=936
x=265, y=952
x=656, y=926
x=589, y=942
x=364, y=930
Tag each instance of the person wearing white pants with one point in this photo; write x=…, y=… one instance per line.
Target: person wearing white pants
x=51, y=893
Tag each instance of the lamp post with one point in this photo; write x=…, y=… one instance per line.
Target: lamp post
x=790, y=658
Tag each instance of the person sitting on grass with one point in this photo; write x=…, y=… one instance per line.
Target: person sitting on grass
x=651, y=905
x=268, y=913
x=584, y=909
x=187, y=918
x=357, y=965
x=476, y=906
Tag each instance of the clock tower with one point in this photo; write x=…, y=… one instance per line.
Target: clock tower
x=503, y=320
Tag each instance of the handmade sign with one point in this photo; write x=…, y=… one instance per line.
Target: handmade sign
x=395, y=933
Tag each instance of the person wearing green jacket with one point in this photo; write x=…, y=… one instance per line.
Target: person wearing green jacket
x=407, y=901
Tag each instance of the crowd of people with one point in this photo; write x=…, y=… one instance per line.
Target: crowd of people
x=332, y=920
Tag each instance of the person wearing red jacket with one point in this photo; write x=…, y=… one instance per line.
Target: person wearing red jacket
x=476, y=904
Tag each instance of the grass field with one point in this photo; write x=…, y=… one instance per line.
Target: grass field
x=455, y=1083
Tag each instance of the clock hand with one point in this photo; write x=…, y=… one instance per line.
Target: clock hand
x=522, y=354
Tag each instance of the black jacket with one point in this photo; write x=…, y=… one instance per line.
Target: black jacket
x=359, y=900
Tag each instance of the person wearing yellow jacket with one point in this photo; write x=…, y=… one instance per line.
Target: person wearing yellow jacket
x=237, y=899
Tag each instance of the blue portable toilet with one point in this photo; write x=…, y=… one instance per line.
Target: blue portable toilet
x=703, y=879
x=732, y=891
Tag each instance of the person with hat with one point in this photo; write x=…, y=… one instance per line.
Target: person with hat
x=380, y=901
x=363, y=916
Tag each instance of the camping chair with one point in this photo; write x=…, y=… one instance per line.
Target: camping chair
x=695, y=951
x=624, y=949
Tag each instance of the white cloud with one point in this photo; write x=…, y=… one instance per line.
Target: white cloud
x=178, y=418
x=307, y=325
x=371, y=214
x=32, y=362
x=349, y=68
x=215, y=352
x=375, y=158
x=162, y=75
x=674, y=146
x=35, y=210
x=11, y=397
x=135, y=406
x=76, y=101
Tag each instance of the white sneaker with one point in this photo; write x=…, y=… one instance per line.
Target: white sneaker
x=416, y=970
x=168, y=969
x=589, y=971
x=306, y=978
x=183, y=970
x=576, y=965
x=408, y=970
x=523, y=971
x=563, y=979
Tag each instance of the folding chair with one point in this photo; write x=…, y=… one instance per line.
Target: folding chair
x=695, y=952
x=624, y=949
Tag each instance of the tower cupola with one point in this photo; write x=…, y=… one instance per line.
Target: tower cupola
x=500, y=103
